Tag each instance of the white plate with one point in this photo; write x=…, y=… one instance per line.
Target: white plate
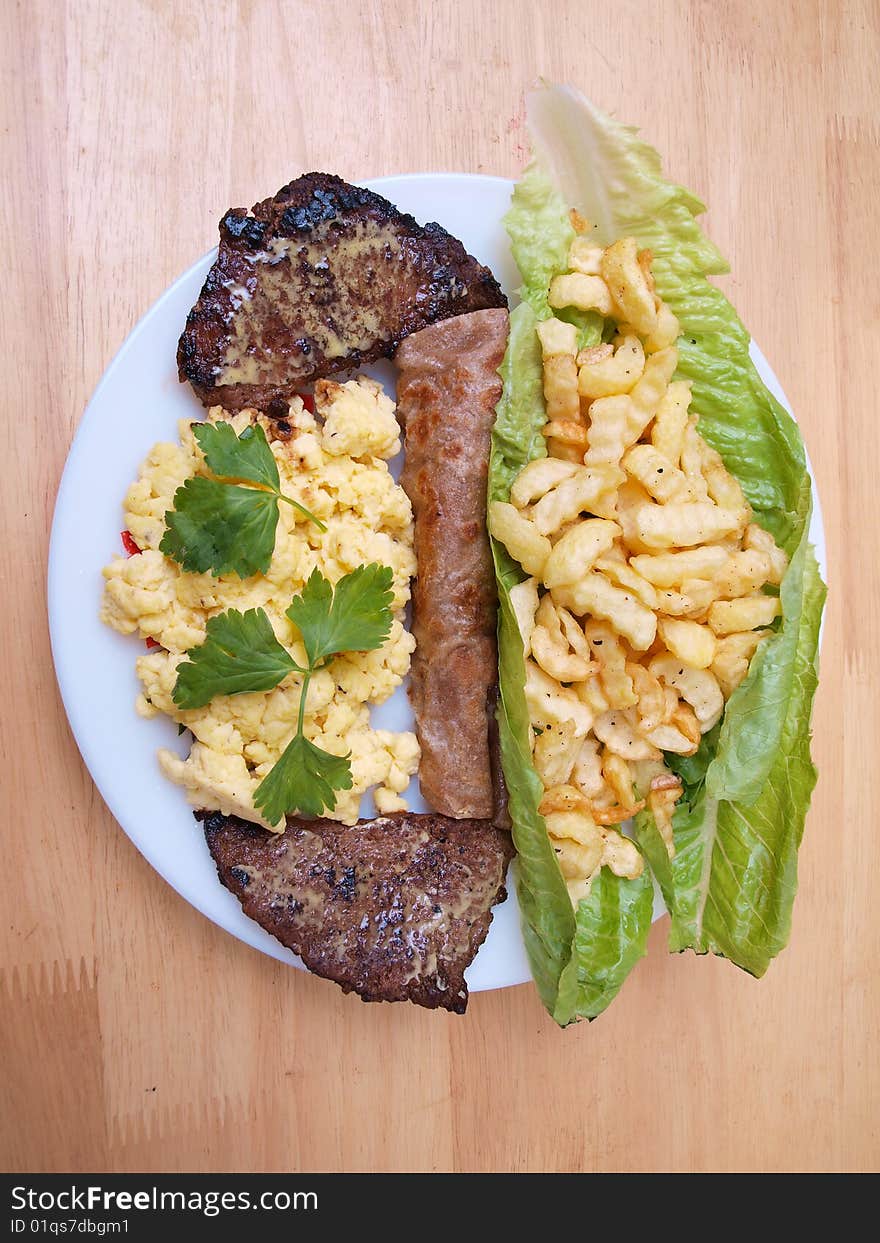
x=138, y=402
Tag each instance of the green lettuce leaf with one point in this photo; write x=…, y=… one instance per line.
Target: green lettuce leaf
x=520, y=414
x=541, y=233
x=578, y=961
x=548, y=918
x=755, y=714
x=611, y=936
x=731, y=885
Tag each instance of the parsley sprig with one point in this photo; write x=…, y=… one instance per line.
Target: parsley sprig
x=241, y=654
x=218, y=524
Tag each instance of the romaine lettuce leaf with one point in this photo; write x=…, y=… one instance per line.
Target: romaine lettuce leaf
x=520, y=414
x=755, y=714
x=547, y=915
x=611, y=936
x=731, y=885
x=540, y=235
x=579, y=961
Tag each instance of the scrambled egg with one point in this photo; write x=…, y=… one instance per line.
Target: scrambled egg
x=336, y=468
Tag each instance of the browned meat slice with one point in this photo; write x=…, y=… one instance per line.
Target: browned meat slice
x=393, y=909
x=447, y=390
x=323, y=277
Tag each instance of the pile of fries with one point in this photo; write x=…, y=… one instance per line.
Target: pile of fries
x=646, y=597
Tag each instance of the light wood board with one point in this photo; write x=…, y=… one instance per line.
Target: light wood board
x=134, y=1034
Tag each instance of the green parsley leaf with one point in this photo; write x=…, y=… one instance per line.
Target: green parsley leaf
x=221, y=527
x=304, y=779
x=247, y=456
x=353, y=616
x=240, y=653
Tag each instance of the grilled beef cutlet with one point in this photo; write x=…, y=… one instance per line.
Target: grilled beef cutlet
x=321, y=278
x=393, y=909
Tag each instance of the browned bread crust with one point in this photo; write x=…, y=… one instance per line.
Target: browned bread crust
x=321, y=278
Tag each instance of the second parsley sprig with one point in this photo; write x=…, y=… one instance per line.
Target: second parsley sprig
x=218, y=525
x=241, y=654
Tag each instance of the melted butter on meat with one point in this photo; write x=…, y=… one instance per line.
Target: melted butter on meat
x=328, y=271
x=420, y=916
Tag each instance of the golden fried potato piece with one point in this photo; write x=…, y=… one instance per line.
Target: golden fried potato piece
x=630, y=293
x=596, y=596
x=519, y=536
x=587, y=293
x=683, y=524
x=618, y=372
x=748, y=613
x=574, y=553
x=688, y=641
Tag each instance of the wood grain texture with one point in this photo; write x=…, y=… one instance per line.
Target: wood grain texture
x=135, y=1035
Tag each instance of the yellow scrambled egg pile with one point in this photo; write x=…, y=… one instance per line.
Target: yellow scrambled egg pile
x=335, y=467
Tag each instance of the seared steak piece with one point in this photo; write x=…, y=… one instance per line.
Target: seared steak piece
x=393, y=909
x=447, y=389
x=321, y=278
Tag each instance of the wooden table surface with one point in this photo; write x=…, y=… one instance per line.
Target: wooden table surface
x=134, y=1035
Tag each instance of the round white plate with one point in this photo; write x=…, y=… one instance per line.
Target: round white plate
x=138, y=402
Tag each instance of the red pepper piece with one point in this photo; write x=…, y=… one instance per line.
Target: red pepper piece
x=151, y=643
x=308, y=401
x=129, y=545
